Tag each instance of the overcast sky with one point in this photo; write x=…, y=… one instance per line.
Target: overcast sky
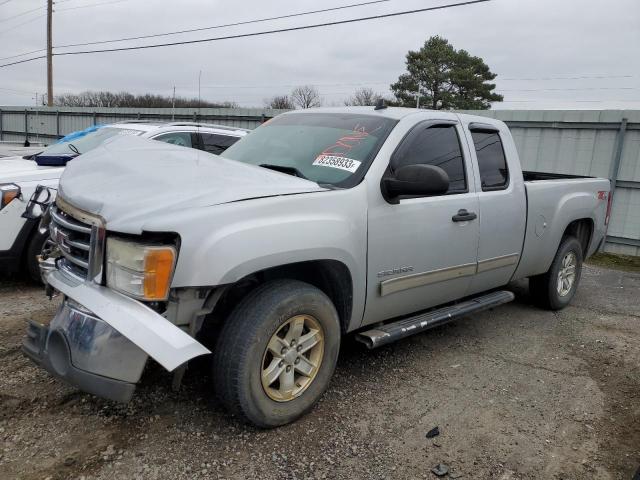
x=535, y=47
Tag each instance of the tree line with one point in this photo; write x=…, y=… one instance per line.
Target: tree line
x=125, y=99
x=437, y=77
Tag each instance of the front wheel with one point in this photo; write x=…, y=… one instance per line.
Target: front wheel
x=555, y=288
x=276, y=353
x=34, y=249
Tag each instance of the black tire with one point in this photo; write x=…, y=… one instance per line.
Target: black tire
x=240, y=348
x=544, y=288
x=34, y=248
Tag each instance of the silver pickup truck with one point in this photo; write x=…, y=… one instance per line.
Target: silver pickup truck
x=381, y=222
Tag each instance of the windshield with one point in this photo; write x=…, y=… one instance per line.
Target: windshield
x=88, y=142
x=326, y=148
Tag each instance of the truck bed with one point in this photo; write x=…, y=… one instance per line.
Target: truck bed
x=553, y=201
x=530, y=176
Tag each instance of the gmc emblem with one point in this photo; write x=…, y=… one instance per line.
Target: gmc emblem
x=61, y=239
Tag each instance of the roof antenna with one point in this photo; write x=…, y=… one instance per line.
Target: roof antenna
x=380, y=105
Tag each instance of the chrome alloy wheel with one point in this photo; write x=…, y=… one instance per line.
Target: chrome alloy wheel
x=567, y=274
x=292, y=358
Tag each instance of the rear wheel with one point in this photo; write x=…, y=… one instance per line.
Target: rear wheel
x=276, y=353
x=555, y=288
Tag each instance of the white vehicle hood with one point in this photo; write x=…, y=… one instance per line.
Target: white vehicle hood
x=21, y=170
x=131, y=178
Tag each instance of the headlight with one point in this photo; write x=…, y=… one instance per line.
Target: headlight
x=139, y=270
x=8, y=192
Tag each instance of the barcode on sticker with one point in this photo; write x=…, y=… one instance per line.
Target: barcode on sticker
x=342, y=163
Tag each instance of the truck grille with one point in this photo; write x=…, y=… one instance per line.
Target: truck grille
x=73, y=239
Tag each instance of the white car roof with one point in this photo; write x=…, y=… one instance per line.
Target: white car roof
x=154, y=128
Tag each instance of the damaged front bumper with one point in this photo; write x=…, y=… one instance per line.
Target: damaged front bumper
x=86, y=352
x=99, y=340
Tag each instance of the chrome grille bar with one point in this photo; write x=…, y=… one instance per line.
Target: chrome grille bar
x=73, y=239
x=69, y=222
x=75, y=260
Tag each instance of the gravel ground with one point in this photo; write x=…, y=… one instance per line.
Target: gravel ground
x=517, y=393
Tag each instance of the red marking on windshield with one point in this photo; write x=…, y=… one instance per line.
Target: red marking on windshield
x=347, y=142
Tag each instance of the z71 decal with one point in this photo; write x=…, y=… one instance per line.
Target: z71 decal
x=333, y=161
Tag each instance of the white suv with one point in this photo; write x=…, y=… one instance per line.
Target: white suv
x=20, y=240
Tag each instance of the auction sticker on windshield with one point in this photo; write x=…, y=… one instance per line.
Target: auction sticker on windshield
x=333, y=161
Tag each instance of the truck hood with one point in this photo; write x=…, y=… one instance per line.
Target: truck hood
x=130, y=177
x=21, y=170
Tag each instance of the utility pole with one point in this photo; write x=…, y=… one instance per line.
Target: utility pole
x=173, y=105
x=199, y=77
x=49, y=54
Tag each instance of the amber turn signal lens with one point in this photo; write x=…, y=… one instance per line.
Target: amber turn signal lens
x=8, y=192
x=158, y=268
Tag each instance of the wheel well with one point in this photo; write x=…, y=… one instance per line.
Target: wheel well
x=330, y=276
x=581, y=229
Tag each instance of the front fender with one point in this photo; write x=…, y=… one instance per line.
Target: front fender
x=222, y=244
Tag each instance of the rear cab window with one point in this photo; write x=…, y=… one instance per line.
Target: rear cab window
x=492, y=162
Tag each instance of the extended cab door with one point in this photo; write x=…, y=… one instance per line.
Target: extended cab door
x=421, y=252
x=502, y=200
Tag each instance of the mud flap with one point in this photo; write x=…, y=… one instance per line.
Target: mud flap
x=160, y=339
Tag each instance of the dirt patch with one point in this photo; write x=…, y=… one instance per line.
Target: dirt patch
x=621, y=262
x=517, y=393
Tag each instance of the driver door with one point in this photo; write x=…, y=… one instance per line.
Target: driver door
x=420, y=253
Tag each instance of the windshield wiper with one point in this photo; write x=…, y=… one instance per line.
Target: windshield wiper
x=284, y=169
x=73, y=148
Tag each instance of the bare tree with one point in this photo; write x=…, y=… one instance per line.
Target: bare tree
x=125, y=99
x=306, y=96
x=364, y=97
x=283, y=102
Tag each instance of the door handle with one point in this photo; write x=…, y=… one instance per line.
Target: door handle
x=464, y=216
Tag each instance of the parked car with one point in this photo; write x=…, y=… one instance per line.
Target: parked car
x=380, y=222
x=20, y=241
x=18, y=150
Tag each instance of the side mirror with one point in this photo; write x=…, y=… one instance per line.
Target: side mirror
x=415, y=180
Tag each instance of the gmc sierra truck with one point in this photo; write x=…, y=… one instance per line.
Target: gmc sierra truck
x=380, y=222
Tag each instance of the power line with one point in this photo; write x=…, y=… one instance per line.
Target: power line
x=23, y=54
x=6, y=1
x=21, y=14
x=567, y=78
x=23, y=23
x=567, y=89
x=234, y=24
x=280, y=30
x=23, y=61
x=298, y=84
x=89, y=5
x=17, y=91
x=555, y=100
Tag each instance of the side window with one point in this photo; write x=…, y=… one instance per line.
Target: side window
x=437, y=145
x=217, y=143
x=176, y=138
x=494, y=173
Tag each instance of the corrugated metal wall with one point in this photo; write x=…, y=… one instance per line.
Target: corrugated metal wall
x=582, y=142
x=44, y=123
x=586, y=143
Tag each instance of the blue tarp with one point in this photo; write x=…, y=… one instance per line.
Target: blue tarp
x=79, y=134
